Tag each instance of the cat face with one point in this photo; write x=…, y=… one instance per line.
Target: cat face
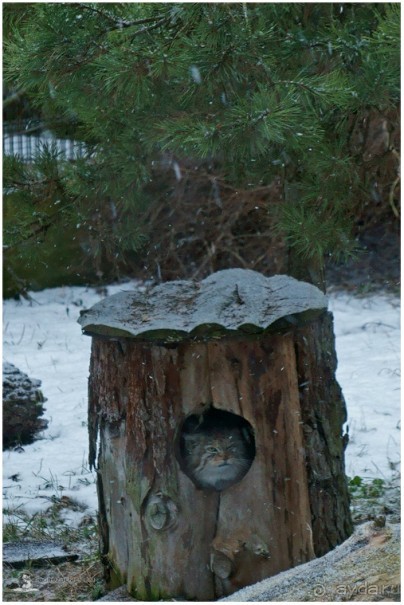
x=216, y=459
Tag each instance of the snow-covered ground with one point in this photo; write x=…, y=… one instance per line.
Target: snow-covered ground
x=367, y=334
x=43, y=340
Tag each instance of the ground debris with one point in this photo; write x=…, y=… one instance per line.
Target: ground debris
x=35, y=553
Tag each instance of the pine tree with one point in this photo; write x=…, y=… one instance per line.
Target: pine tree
x=261, y=90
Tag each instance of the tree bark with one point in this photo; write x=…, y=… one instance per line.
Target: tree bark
x=323, y=415
x=163, y=536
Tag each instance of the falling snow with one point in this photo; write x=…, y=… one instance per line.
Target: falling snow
x=42, y=339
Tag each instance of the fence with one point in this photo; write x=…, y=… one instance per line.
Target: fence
x=26, y=139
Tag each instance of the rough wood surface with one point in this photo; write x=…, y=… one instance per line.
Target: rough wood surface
x=323, y=415
x=237, y=342
x=226, y=302
x=162, y=535
x=366, y=567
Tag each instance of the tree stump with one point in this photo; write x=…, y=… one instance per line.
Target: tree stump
x=231, y=351
x=22, y=407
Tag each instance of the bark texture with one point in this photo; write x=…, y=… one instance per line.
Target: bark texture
x=323, y=414
x=163, y=536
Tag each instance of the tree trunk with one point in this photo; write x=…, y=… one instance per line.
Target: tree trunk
x=165, y=537
x=323, y=415
x=311, y=270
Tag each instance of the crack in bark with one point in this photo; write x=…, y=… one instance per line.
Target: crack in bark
x=215, y=532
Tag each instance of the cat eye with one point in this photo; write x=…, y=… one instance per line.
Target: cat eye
x=212, y=450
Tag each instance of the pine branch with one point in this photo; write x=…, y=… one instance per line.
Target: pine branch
x=39, y=229
x=121, y=24
x=143, y=30
x=118, y=23
x=274, y=86
x=13, y=97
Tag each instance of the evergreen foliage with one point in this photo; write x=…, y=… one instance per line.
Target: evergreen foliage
x=260, y=89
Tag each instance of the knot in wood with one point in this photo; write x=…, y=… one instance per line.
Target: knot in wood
x=160, y=512
x=221, y=565
x=261, y=551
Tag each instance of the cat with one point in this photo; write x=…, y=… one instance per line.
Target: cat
x=217, y=457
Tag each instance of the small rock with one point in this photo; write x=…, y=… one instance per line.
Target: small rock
x=379, y=521
x=118, y=595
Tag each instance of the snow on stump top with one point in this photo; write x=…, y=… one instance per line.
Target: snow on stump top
x=227, y=303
